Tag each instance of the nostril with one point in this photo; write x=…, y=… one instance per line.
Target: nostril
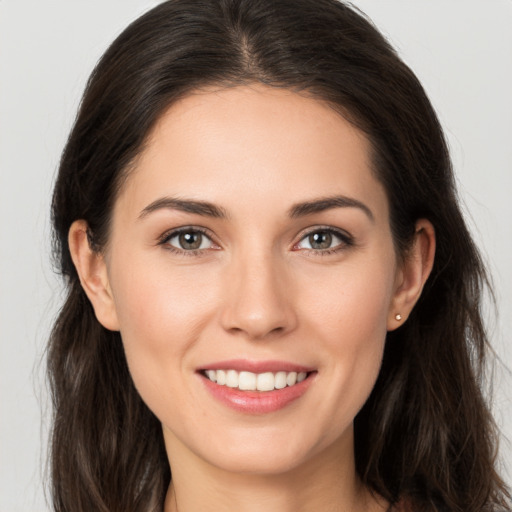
x=258, y=334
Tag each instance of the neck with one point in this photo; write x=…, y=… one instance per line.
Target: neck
x=327, y=482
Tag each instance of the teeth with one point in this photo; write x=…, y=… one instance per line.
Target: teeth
x=221, y=377
x=265, y=381
x=232, y=379
x=248, y=381
x=280, y=380
x=291, y=378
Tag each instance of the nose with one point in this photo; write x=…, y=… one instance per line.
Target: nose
x=259, y=304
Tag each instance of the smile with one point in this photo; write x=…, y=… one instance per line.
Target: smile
x=254, y=387
x=249, y=381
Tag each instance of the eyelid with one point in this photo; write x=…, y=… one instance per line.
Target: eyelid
x=171, y=233
x=346, y=238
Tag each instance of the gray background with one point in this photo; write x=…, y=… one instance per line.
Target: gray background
x=461, y=51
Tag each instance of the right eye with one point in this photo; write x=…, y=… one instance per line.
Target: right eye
x=188, y=240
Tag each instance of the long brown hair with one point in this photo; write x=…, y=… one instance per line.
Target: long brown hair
x=425, y=433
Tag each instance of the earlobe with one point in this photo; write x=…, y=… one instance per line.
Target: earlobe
x=92, y=271
x=413, y=274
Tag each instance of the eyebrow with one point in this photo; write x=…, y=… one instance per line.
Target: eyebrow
x=327, y=203
x=203, y=208
x=208, y=209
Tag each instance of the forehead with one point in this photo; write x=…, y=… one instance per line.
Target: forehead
x=237, y=145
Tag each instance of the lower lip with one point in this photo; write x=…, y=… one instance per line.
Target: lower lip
x=258, y=402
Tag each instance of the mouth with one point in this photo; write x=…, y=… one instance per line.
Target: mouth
x=257, y=387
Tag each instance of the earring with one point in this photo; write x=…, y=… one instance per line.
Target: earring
x=398, y=317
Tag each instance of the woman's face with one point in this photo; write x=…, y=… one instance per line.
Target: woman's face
x=251, y=244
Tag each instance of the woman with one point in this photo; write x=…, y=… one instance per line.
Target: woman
x=272, y=293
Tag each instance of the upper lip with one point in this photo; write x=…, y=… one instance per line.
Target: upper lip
x=245, y=365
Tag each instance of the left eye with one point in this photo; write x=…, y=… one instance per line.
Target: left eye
x=190, y=240
x=322, y=240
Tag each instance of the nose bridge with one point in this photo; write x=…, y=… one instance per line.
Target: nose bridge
x=258, y=303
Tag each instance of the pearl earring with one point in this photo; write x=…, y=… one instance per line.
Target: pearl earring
x=398, y=317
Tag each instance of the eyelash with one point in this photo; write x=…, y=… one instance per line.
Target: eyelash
x=346, y=240
x=166, y=237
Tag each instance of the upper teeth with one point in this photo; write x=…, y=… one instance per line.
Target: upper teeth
x=248, y=381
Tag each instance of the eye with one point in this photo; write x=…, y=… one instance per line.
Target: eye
x=326, y=240
x=188, y=239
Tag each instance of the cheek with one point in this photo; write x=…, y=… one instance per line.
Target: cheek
x=155, y=301
x=350, y=305
x=349, y=316
x=161, y=312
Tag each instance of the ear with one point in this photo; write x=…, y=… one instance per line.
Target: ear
x=412, y=274
x=92, y=271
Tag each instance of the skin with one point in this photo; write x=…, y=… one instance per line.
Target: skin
x=256, y=289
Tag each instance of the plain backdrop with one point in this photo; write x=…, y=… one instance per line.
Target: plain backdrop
x=460, y=49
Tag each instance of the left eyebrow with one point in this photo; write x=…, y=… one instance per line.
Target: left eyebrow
x=328, y=203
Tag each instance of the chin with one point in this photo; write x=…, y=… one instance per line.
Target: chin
x=266, y=453
x=262, y=464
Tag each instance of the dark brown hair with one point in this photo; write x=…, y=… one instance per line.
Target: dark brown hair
x=425, y=433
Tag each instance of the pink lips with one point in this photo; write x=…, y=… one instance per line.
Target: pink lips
x=257, y=402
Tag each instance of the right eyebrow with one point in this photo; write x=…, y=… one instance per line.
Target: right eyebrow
x=203, y=208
